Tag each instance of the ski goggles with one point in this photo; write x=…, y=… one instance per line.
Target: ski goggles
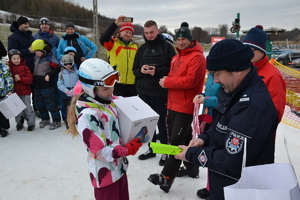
x=107, y=81
x=110, y=79
x=67, y=64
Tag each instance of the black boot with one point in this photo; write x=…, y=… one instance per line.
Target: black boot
x=164, y=182
x=147, y=154
x=3, y=132
x=191, y=172
x=203, y=193
x=20, y=127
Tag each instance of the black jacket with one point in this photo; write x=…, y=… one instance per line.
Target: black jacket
x=246, y=113
x=3, y=51
x=22, y=41
x=156, y=52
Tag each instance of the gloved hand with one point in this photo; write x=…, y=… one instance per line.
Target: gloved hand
x=133, y=146
x=127, y=149
x=70, y=93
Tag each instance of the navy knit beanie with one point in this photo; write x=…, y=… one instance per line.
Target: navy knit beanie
x=69, y=24
x=22, y=20
x=256, y=38
x=230, y=55
x=184, y=31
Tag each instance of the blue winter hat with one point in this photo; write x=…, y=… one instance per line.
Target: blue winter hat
x=256, y=38
x=230, y=55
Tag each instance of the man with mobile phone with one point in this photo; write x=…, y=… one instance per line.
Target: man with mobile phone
x=121, y=50
x=152, y=62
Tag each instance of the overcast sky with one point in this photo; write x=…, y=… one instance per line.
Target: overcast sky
x=204, y=13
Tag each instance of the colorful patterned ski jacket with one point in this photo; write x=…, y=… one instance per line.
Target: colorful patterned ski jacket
x=6, y=81
x=97, y=124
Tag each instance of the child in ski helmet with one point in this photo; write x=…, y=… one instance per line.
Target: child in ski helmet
x=93, y=115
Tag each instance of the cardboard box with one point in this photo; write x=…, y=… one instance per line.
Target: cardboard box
x=136, y=119
x=12, y=106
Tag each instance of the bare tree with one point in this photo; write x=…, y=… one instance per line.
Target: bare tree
x=223, y=30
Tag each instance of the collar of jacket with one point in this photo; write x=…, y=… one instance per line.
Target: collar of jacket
x=226, y=99
x=51, y=32
x=93, y=102
x=158, y=39
x=73, y=36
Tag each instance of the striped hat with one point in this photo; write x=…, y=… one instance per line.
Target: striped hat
x=127, y=26
x=256, y=38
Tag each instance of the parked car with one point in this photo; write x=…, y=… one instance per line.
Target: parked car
x=275, y=47
x=295, y=63
x=286, y=58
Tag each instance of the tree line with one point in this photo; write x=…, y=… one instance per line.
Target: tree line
x=65, y=10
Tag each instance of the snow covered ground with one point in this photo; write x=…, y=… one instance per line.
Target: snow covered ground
x=49, y=165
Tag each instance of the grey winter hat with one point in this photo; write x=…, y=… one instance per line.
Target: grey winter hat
x=44, y=20
x=67, y=59
x=69, y=24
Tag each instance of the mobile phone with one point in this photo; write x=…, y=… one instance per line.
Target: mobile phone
x=128, y=19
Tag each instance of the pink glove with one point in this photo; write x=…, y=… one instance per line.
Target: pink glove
x=70, y=93
x=127, y=149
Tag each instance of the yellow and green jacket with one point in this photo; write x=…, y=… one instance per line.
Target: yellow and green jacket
x=120, y=53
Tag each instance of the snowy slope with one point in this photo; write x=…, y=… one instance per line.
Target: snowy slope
x=50, y=165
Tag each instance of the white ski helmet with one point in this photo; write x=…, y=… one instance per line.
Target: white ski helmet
x=168, y=37
x=96, y=72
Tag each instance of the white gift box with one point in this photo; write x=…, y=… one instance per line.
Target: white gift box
x=135, y=119
x=12, y=106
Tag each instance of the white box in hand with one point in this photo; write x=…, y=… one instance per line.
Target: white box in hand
x=12, y=106
x=135, y=118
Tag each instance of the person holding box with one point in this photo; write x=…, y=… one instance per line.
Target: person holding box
x=93, y=115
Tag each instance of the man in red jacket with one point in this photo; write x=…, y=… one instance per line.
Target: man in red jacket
x=256, y=38
x=183, y=82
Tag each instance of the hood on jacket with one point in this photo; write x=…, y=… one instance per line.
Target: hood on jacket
x=14, y=26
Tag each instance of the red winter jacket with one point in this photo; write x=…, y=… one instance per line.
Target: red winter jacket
x=185, y=78
x=274, y=82
x=21, y=87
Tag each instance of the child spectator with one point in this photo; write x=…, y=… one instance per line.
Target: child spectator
x=46, y=68
x=95, y=116
x=6, y=88
x=71, y=51
x=67, y=79
x=22, y=86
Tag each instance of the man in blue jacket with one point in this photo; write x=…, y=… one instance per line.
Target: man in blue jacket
x=46, y=33
x=245, y=110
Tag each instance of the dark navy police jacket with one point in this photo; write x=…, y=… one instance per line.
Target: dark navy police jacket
x=249, y=113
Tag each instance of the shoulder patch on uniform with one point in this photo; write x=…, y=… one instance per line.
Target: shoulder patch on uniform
x=244, y=98
x=234, y=142
x=202, y=158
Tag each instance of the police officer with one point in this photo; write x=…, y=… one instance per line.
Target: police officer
x=245, y=110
